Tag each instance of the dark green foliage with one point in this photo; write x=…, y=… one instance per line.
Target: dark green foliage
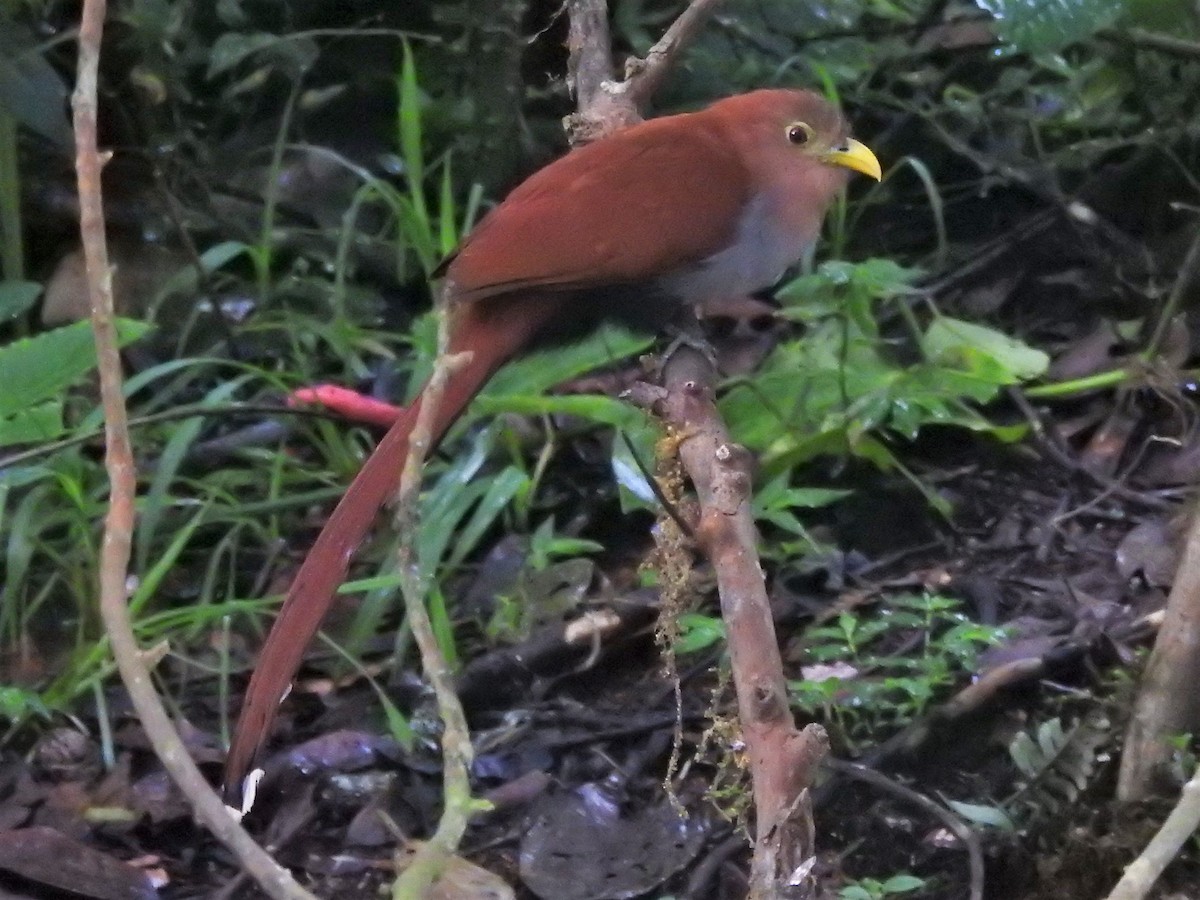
x=36, y=373
x=1055, y=764
x=1034, y=26
x=863, y=691
x=844, y=386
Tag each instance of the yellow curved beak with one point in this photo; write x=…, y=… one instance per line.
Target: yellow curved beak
x=857, y=156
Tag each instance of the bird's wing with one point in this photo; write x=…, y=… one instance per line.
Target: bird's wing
x=645, y=202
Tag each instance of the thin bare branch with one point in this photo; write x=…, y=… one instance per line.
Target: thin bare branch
x=1153, y=40
x=953, y=823
x=643, y=77
x=276, y=881
x=589, y=50
x=782, y=759
x=428, y=859
x=1180, y=825
x=606, y=105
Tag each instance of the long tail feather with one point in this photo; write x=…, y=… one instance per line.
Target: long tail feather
x=324, y=568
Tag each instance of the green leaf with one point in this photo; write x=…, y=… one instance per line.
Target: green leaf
x=774, y=501
x=158, y=499
x=633, y=452
x=398, y=726
x=16, y=297
x=698, y=632
x=152, y=577
x=216, y=256
x=991, y=816
x=411, y=144
x=291, y=55
x=501, y=489
x=39, y=422
x=31, y=90
x=813, y=498
x=447, y=505
x=18, y=704
x=19, y=476
x=901, y=884
x=954, y=342
x=883, y=277
x=539, y=372
x=1047, y=26
x=628, y=470
x=588, y=407
x=231, y=48
x=447, y=227
x=443, y=628
x=568, y=547
x=38, y=368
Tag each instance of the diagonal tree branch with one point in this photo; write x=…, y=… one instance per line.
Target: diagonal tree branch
x=782, y=759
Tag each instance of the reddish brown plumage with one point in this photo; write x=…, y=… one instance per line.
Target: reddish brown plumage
x=308, y=598
x=636, y=226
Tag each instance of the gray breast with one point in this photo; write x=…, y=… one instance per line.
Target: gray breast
x=760, y=253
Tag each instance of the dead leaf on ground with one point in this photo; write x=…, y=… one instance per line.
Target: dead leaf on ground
x=583, y=846
x=1152, y=549
x=50, y=858
x=463, y=880
x=1106, y=448
x=140, y=271
x=344, y=750
x=1095, y=352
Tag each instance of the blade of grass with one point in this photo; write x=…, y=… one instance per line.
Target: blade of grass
x=169, y=461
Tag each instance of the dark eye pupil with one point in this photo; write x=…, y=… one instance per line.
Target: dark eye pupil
x=797, y=135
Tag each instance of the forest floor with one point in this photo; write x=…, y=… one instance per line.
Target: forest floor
x=1068, y=561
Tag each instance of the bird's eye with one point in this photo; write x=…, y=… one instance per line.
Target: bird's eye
x=799, y=133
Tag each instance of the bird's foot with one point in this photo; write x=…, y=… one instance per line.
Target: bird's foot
x=688, y=336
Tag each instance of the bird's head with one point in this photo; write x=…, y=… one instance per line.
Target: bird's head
x=796, y=148
x=792, y=128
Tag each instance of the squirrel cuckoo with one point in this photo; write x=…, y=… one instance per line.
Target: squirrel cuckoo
x=637, y=227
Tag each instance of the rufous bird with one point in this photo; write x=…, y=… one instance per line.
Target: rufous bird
x=637, y=227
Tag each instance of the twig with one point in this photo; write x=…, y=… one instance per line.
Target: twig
x=909, y=740
x=643, y=77
x=1112, y=487
x=985, y=690
x=276, y=881
x=222, y=410
x=1188, y=272
x=423, y=867
x=782, y=759
x=1150, y=40
x=960, y=829
x=670, y=507
x=606, y=105
x=704, y=876
x=1180, y=825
